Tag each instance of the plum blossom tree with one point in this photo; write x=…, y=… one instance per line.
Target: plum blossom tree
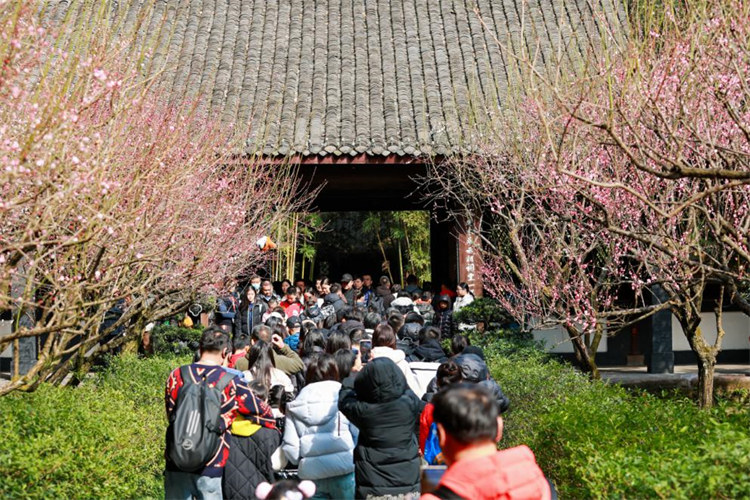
x=546, y=260
x=655, y=136
x=669, y=114
x=109, y=193
x=640, y=153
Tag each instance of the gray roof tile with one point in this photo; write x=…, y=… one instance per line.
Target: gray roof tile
x=381, y=77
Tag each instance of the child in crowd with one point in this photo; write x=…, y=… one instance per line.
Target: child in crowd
x=444, y=317
x=291, y=304
x=285, y=490
x=250, y=454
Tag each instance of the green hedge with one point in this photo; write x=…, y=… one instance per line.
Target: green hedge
x=167, y=339
x=600, y=441
x=103, y=439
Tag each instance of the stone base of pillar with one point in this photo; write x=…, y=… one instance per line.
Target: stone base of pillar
x=661, y=362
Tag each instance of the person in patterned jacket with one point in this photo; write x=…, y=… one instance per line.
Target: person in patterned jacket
x=237, y=398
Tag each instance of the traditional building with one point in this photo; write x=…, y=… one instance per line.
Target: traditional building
x=363, y=93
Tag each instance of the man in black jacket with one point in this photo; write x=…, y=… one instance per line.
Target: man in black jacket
x=380, y=404
x=429, y=348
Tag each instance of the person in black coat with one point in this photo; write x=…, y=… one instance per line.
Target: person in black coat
x=250, y=462
x=429, y=349
x=250, y=313
x=386, y=412
x=473, y=370
x=444, y=317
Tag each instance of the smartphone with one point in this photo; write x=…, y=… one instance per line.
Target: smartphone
x=365, y=346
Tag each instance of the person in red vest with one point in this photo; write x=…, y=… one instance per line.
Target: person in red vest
x=291, y=304
x=469, y=426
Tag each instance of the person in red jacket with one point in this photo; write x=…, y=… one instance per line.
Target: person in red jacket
x=291, y=304
x=447, y=373
x=469, y=426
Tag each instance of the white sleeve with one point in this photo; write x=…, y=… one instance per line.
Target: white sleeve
x=290, y=444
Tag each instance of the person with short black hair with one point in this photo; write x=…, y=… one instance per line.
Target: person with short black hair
x=317, y=436
x=429, y=348
x=395, y=319
x=367, y=282
x=383, y=292
x=458, y=344
x=266, y=292
x=372, y=320
x=355, y=313
x=423, y=304
x=285, y=359
x=412, y=286
x=347, y=288
x=240, y=346
x=291, y=304
x=469, y=426
x=236, y=398
x=333, y=301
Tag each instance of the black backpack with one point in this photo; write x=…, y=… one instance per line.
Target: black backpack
x=194, y=432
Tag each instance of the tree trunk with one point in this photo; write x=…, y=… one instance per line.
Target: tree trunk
x=586, y=358
x=706, y=365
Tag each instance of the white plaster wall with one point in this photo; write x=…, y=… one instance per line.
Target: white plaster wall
x=556, y=340
x=6, y=329
x=736, y=331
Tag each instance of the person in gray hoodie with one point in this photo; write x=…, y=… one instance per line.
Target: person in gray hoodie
x=317, y=436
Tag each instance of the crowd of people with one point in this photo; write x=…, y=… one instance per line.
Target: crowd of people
x=304, y=391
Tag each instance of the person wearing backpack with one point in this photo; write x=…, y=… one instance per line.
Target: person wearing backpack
x=202, y=400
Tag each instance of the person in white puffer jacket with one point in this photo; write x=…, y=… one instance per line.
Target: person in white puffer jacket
x=317, y=436
x=384, y=346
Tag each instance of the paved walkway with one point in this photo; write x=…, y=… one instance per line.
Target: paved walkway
x=727, y=377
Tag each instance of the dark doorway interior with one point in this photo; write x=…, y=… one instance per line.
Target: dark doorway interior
x=375, y=243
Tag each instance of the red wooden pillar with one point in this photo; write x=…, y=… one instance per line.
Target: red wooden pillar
x=469, y=253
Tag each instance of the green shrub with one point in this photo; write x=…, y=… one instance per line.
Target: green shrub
x=103, y=439
x=175, y=340
x=600, y=441
x=483, y=310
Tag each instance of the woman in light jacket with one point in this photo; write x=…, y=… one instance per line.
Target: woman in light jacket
x=384, y=346
x=464, y=297
x=318, y=436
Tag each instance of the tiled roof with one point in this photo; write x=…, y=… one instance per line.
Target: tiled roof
x=345, y=77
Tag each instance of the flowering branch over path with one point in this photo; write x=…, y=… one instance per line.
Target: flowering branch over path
x=110, y=195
